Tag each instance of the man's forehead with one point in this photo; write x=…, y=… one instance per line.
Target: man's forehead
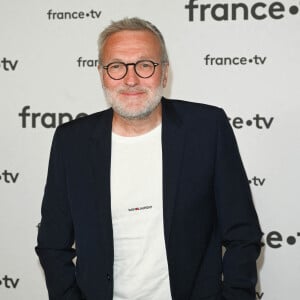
x=125, y=41
x=132, y=35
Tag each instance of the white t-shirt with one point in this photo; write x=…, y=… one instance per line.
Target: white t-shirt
x=140, y=261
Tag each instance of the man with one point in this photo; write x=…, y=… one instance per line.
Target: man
x=148, y=190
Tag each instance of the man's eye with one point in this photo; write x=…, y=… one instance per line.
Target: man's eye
x=115, y=66
x=146, y=65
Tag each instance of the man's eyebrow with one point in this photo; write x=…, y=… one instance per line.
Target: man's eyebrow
x=115, y=60
x=138, y=59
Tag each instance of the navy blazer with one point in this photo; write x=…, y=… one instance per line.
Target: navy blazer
x=206, y=205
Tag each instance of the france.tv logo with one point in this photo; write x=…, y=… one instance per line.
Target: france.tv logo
x=238, y=11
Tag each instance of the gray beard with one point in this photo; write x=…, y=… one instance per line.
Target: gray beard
x=151, y=104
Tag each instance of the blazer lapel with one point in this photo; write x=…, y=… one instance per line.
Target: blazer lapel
x=173, y=140
x=100, y=158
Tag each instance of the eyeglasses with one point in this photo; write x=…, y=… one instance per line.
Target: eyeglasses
x=142, y=68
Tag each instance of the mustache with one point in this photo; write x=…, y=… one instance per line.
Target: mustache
x=132, y=90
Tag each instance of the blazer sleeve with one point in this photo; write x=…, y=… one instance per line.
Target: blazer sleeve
x=56, y=235
x=237, y=217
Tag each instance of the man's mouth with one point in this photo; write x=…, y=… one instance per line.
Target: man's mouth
x=132, y=92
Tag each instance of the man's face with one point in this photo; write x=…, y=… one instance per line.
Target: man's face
x=133, y=97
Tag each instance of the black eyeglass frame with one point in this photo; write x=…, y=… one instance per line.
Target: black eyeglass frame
x=134, y=67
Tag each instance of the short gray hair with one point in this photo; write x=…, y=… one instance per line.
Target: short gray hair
x=131, y=24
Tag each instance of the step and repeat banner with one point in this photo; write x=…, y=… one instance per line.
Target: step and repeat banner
x=243, y=56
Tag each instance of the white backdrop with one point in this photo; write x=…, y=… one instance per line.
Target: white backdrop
x=248, y=64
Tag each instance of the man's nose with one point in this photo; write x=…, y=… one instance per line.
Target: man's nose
x=131, y=77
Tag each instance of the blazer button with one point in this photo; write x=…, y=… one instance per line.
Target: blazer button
x=108, y=276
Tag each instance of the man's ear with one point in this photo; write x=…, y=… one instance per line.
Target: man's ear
x=100, y=71
x=165, y=74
